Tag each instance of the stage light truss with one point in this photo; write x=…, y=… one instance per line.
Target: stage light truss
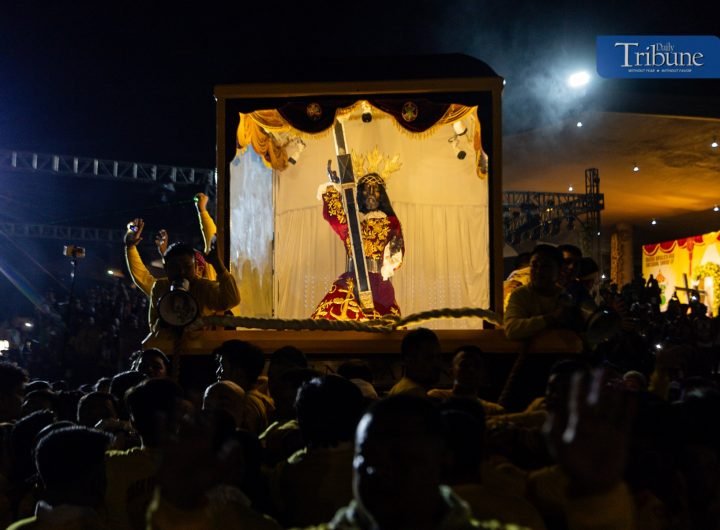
x=107, y=169
x=536, y=214
x=66, y=233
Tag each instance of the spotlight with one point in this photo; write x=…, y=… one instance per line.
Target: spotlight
x=570, y=188
x=459, y=153
x=653, y=222
x=297, y=146
x=366, y=112
x=578, y=79
x=579, y=124
x=460, y=130
x=714, y=143
x=716, y=208
x=636, y=168
x=28, y=325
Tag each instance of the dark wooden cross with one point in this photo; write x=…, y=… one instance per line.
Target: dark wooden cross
x=349, y=192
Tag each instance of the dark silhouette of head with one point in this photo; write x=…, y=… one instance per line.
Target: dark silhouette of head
x=153, y=363
x=179, y=262
x=43, y=399
x=328, y=409
x=420, y=351
x=71, y=465
x=560, y=379
x=94, y=407
x=285, y=389
x=571, y=262
x=155, y=407
x=240, y=362
x=546, y=262
x=400, y=453
x=22, y=442
x=282, y=360
x=12, y=392
x=468, y=368
x=120, y=384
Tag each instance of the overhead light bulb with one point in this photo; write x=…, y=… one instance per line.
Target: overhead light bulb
x=653, y=222
x=636, y=168
x=714, y=143
x=579, y=124
x=570, y=188
x=459, y=129
x=366, y=112
x=297, y=146
x=578, y=79
x=716, y=208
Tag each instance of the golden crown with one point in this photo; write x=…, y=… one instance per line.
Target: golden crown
x=374, y=162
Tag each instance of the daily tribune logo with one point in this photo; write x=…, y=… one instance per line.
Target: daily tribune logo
x=658, y=56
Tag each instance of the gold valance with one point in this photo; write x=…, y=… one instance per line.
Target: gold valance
x=268, y=131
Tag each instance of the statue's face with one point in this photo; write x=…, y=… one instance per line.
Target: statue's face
x=371, y=197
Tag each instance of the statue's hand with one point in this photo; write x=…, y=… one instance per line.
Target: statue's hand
x=396, y=244
x=332, y=174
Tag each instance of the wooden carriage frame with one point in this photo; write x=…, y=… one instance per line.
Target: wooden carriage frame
x=480, y=86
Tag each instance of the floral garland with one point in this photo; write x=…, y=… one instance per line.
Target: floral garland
x=711, y=270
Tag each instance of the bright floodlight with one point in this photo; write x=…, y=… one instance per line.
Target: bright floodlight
x=578, y=79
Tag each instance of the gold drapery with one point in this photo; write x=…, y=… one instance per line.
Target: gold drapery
x=251, y=132
x=259, y=129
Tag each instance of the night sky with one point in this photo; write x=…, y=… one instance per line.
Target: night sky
x=113, y=80
x=134, y=81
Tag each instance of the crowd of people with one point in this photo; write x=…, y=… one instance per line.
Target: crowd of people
x=79, y=338
x=612, y=444
x=623, y=436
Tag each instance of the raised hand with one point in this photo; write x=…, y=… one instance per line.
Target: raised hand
x=213, y=258
x=133, y=236
x=201, y=201
x=161, y=241
x=332, y=174
x=589, y=438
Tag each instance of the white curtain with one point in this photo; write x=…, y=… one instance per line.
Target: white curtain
x=447, y=261
x=251, y=233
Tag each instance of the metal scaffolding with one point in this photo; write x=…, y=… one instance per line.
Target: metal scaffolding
x=107, y=169
x=67, y=233
x=536, y=214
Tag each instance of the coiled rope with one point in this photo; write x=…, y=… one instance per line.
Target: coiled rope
x=383, y=325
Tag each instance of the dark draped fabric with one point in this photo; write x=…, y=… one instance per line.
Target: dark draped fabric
x=313, y=116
